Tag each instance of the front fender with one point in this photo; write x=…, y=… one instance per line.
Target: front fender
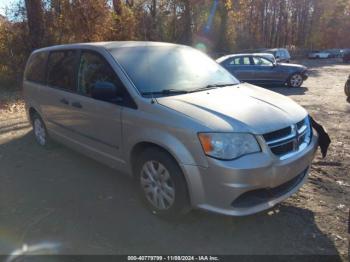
x=189, y=164
x=174, y=145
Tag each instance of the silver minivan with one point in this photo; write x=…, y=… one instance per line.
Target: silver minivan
x=188, y=131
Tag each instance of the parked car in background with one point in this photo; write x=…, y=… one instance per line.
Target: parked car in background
x=280, y=54
x=344, y=51
x=257, y=69
x=319, y=54
x=347, y=88
x=187, y=131
x=346, y=56
x=334, y=53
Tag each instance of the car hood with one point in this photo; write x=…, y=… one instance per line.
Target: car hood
x=241, y=108
x=292, y=66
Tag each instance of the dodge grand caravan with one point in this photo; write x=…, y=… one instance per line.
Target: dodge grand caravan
x=188, y=131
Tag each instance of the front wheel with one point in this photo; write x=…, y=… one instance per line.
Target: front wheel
x=347, y=88
x=296, y=80
x=161, y=184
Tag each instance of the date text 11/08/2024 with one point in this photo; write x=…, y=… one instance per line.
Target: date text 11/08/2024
x=173, y=258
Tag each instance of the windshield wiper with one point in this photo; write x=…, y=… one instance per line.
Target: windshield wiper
x=166, y=92
x=223, y=85
x=212, y=86
x=173, y=91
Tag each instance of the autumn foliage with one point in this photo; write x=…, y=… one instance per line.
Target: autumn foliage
x=216, y=26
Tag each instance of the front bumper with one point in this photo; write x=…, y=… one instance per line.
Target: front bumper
x=250, y=184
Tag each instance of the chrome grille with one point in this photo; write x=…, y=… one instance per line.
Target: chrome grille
x=289, y=140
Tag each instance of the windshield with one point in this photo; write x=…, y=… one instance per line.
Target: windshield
x=154, y=69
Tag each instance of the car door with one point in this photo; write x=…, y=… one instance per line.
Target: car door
x=265, y=71
x=34, y=84
x=241, y=68
x=54, y=99
x=97, y=123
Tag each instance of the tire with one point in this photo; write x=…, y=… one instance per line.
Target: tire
x=295, y=80
x=161, y=184
x=347, y=88
x=40, y=132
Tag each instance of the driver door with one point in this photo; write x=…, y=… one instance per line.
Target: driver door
x=97, y=123
x=265, y=71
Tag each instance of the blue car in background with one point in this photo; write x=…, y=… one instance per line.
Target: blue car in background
x=259, y=70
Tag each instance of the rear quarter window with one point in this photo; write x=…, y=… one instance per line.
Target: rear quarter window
x=61, y=69
x=36, y=68
x=243, y=60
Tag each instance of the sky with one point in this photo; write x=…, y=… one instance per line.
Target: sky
x=4, y=4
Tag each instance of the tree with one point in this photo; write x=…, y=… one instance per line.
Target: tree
x=35, y=22
x=234, y=25
x=117, y=6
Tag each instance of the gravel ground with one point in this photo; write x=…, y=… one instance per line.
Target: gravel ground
x=64, y=202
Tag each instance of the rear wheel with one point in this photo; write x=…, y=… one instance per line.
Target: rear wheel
x=161, y=184
x=40, y=131
x=296, y=80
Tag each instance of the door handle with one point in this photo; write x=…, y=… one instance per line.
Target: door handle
x=77, y=105
x=64, y=101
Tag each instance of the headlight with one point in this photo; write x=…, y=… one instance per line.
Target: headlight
x=228, y=146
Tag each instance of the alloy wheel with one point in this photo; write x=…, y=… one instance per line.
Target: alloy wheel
x=296, y=80
x=40, y=132
x=157, y=185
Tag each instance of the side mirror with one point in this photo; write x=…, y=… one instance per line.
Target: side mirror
x=105, y=91
x=277, y=56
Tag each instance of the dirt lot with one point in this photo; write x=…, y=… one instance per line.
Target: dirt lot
x=60, y=198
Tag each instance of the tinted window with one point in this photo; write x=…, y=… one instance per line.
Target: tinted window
x=61, y=69
x=286, y=53
x=94, y=68
x=234, y=61
x=270, y=58
x=261, y=61
x=240, y=61
x=36, y=68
